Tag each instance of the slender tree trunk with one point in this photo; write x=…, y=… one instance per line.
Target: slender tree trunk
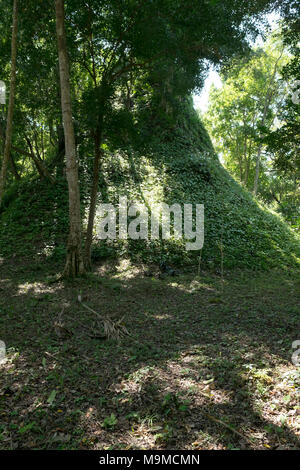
x=13, y=167
x=243, y=175
x=9, y=124
x=257, y=170
x=43, y=171
x=74, y=262
x=93, y=201
x=267, y=103
x=40, y=166
x=11, y=159
x=248, y=161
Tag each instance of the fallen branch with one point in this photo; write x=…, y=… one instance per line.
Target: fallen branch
x=227, y=426
x=112, y=329
x=216, y=420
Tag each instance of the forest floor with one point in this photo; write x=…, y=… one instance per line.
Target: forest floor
x=207, y=364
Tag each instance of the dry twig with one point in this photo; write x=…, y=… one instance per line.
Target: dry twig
x=112, y=329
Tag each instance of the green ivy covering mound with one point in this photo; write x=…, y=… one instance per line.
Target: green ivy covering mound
x=177, y=166
x=34, y=218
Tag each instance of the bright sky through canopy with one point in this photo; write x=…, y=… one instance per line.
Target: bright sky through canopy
x=201, y=101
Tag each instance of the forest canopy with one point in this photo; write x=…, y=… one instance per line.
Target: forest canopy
x=149, y=248
x=129, y=69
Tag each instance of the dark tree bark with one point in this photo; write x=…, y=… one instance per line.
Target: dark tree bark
x=74, y=262
x=93, y=200
x=12, y=92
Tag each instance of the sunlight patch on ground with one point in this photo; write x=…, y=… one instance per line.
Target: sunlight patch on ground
x=188, y=285
x=163, y=316
x=125, y=270
x=34, y=288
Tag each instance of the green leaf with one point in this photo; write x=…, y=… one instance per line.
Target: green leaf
x=26, y=428
x=52, y=397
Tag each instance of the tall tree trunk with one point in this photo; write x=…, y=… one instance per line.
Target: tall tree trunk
x=11, y=159
x=14, y=167
x=9, y=124
x=93, y=201
x=257, y=170
x=248, y=162
x=74, y=262
x=243, y=176
x=267, y=102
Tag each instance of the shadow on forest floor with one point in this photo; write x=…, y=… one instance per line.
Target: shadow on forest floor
x=207, y=365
